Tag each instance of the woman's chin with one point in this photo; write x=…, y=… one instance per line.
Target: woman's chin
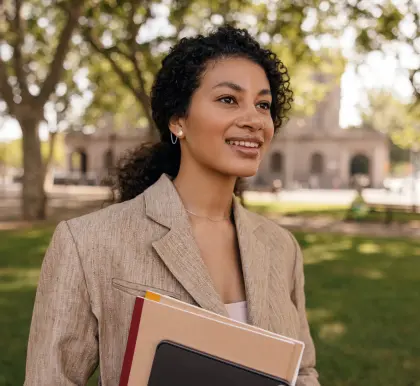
x=244, y=172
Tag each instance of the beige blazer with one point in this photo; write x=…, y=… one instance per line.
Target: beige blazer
x=97, y=264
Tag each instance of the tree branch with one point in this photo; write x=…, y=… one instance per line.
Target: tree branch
x=139, y=92
x=132, y=30
x=52, y=135
x=137, y=71
x=132, y=26
x=142, y=93
x=114, y=49
x=5, y=89
x=97, y=46
x=56, y=66
x=17, y=41
x=415, y=89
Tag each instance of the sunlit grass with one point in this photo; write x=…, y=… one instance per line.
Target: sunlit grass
x=363, y=305
x=17, y=278
x=363, y=297
x=333, y=211
x=21, y=254
x=292, y=207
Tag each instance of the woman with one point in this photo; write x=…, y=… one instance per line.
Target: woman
x=217, y=102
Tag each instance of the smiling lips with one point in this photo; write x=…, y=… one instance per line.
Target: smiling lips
x=246, y=141
x=249, y=144
x=249, y=148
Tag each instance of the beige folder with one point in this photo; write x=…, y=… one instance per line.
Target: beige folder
x=201, y=311
x=157, y=318
x=165, y=299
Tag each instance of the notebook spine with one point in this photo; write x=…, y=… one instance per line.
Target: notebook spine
x=131, y=341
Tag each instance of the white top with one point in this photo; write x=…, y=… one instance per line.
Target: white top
x=238, y=311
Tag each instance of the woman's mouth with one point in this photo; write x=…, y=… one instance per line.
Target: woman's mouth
x=245, y=149
x=248, y=144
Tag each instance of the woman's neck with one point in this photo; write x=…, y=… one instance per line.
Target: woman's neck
x=205, y=193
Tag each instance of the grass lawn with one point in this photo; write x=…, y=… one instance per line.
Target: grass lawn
x=363, y=298
x=337, y=212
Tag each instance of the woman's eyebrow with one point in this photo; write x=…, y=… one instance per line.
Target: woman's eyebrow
x=238, y=88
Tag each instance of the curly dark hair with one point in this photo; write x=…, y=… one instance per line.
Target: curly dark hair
x=174, y=85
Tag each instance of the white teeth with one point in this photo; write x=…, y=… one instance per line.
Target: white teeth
x=244, y=143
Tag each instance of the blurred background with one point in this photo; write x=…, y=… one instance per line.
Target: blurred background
x=343, y=173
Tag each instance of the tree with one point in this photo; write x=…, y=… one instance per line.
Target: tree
x=35, y=39
x=392, y=27
x=122, y=33
x=11, y=152
x=126, y=42
x=400, y=121
x=387, y=114
x=110, y=96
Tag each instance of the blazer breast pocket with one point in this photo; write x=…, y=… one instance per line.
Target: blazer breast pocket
x=138, y=289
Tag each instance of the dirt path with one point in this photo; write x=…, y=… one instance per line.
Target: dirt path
x=66, y=204
x=328, y=225
x=58, y=210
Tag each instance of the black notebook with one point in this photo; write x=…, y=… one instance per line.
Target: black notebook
x=177, y=365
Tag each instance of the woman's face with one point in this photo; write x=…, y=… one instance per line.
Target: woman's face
x=228, y=127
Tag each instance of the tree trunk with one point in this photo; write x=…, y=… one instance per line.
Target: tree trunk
x=33, y=193
x=153, y=134
x=48, y=175
x=52, y=136
x=413, y=161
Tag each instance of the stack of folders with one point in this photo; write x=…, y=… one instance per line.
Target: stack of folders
x=174, y=343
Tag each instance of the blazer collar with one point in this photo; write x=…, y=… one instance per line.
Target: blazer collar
x=179, y=251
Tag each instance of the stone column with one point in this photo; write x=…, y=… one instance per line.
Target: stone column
x=344, y=168
x=378, y=164
x=288, y=159
x=375, y=166
x=69, y=158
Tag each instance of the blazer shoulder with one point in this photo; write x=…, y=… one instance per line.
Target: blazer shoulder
x=111, y=217
x=272, y=227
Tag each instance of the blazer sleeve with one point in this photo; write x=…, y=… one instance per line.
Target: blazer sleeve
x=62, y=347
x=308, y=376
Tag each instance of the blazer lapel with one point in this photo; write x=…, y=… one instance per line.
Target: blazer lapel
x=180, y=253
x=177, y=248
x=255, y=258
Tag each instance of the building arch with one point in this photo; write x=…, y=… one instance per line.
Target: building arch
x=360, y=164
x=108, y=160
x=360, y=171
x=277, y=162
x=317, y=164
x=79, y=161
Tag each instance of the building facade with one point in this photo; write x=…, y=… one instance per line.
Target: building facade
x=310, y=152
x=91, y=157
x=314, y=152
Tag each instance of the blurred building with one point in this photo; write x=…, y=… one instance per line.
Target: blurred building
x=314, y=152
x=311, y=152
x=91, y=157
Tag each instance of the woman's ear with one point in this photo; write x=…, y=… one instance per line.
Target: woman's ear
x=176, y=126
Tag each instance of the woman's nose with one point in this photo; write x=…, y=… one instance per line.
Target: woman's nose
x=251, y=122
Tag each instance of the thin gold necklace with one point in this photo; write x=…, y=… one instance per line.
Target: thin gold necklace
x=208, y=218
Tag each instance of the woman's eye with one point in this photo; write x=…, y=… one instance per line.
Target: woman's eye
x=227, y=100
x=265, y=105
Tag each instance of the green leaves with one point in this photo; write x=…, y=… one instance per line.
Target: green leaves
x=125, y=40
x=134, y=52
x=394, y=118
